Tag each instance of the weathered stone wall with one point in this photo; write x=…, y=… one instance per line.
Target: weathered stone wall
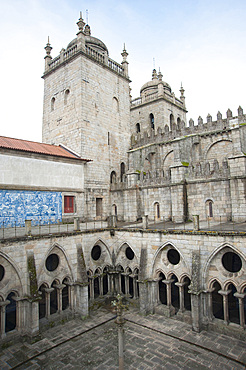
x=94, y=122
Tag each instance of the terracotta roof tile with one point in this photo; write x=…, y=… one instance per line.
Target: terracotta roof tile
x=40, y=148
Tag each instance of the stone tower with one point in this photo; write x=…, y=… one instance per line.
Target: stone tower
x=87, y=108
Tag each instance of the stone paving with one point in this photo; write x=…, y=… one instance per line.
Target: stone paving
x=151, y=342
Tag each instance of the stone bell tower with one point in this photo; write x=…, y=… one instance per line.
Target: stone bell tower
x=87, y=108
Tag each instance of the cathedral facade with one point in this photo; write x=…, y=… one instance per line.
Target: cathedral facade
x=144, y=163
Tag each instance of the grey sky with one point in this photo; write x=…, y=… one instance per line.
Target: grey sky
x=200, y=43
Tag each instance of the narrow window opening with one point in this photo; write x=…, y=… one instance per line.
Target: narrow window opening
x=98, y=207
x=152, y=121
x=138, y=127
x=69, y=204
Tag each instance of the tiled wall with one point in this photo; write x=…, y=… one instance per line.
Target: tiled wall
x=38, y=206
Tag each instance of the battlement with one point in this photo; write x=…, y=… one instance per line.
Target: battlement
x=179, y=131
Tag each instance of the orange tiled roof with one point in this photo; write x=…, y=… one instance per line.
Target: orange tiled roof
x=40, y=148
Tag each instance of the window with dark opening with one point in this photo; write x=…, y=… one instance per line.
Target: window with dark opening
x=138, y=127
x=98, y=207
x=52, y=262
x=231, y=262
x=122, y=171
x=173, y=256
x=129, y=253
x=152, y=121
x=69, y=204
x=96, y=252
x=2, y=272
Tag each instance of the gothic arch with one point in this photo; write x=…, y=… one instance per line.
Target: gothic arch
x=218, y=272
x=213, y=150
x=9, y=283
x=102, y=244
x=44, y=275
x=179, y=267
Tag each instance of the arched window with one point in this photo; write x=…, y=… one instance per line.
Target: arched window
x=138, y=127
x=114, y=210
x=52, y=104
x=209, y=208
x=162, y=289
x=53, y=299
x=122, y=171
x=175, y=293
x=233, y=305
x=157, y=211
x=42, y=302
x=171, y=121
x=65, y=295
x=105, y=280
x=115, y=104
x=217, y=301
x=178, y=122
x=67, y=92
x=10, y=312
x=113, y=177
x=152, y=121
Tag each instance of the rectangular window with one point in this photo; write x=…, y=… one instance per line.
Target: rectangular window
x=98, y=207
x=68, y=204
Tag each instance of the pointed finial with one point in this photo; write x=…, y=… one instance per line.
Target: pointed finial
x=154, y=74
x=87, y=13
x=81, y=22
x=48, y=47
x=80, y=15
x=160, y=75
x=182, y=90
x=153, y=63
x=124, y=53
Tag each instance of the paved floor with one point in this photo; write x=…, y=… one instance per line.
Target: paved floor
x=151, y=342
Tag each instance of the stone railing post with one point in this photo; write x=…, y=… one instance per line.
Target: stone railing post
x=145, y=222
x=28, y=227
x=196, y=225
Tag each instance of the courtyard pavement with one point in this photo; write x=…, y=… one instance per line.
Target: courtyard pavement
x=151, y=342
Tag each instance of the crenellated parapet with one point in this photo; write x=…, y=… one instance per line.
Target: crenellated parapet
x=180, y=130
x=87, y=45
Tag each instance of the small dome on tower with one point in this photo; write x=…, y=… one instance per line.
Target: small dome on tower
x=152, y=86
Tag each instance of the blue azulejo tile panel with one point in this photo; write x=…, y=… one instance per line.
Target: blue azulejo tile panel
x=41, y=207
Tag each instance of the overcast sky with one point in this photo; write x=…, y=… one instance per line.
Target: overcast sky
x=199, y=43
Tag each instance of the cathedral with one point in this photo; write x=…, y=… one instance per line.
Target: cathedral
x=158, y=187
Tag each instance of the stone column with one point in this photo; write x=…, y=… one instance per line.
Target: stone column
x=19, y=312
x=31, y=317
x=127, y=284
x=100, y=277
x=3, y=305
x=81, y=298
x=153, y=296
x=59, y=288
x=47, y=297
x=195, y=292
x=240, y=297
x=225, y=294
x=134, y=277
x=169, y=297
x=143, y=295
x=91, y=287
x=210, y=304
x=169, y=310
x=181, y=296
